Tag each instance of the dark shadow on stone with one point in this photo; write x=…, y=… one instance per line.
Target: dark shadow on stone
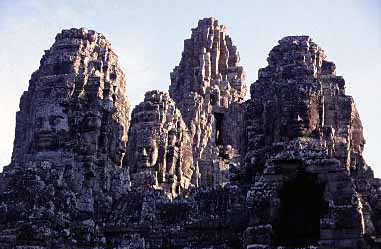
x=302, y=206
x=213, y=99
x=219, y=118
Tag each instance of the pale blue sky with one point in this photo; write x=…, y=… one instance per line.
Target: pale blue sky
x=148, y=37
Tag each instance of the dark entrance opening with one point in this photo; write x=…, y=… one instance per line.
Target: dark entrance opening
x=213, y=99
x=218, y=118
x=302, y=206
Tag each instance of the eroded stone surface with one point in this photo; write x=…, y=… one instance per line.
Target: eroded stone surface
x=71, y=133
x=159, y=151
x=301, y=125
x=209, y=88
x=202, y=168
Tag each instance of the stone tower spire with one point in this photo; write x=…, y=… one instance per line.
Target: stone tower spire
x=304, y=140
x=78, y=88
x=71, y=133
x=209, y=86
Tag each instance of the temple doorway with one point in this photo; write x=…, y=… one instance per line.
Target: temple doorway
x=302, y=206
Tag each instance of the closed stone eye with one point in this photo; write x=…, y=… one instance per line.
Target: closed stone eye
x=55, y=120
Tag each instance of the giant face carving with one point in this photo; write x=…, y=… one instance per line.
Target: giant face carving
x=50, y=127
x=117, y=146
x=159, y=144
x=301, y=118
x=147, y=153
x=92, y=121
x=172, y=137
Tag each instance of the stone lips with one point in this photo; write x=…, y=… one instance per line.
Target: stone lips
x=200, y=167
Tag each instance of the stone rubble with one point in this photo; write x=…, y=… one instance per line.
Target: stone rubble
x=198, y=167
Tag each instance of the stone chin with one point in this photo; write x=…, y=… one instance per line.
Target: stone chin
x=296, y=129
x=48, y=141
x=44, y=141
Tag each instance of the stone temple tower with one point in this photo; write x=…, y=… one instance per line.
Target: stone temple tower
x=71, y=133
x=209, y=88
x=198, y=167
x=310, y=184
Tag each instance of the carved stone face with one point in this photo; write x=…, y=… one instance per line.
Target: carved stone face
x=50, y=127
x=147, y=154
x=117, y=147
x=92, y=122
x=172, y=138
x=172, y=147
x=91, y=125
x=301, y=119
x=117, y=151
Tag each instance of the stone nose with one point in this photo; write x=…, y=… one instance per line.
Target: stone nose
x=46, y=126
x=299, y=118
x=144, y=152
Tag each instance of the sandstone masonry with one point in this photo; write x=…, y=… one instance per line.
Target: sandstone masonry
x=198, y=167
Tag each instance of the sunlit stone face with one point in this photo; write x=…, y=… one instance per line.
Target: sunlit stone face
x=147, y=154
x=172, y=156
x=172, y=146
x=302, y=118
x=172, y=137
x=118, y=148
x=49, y=128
